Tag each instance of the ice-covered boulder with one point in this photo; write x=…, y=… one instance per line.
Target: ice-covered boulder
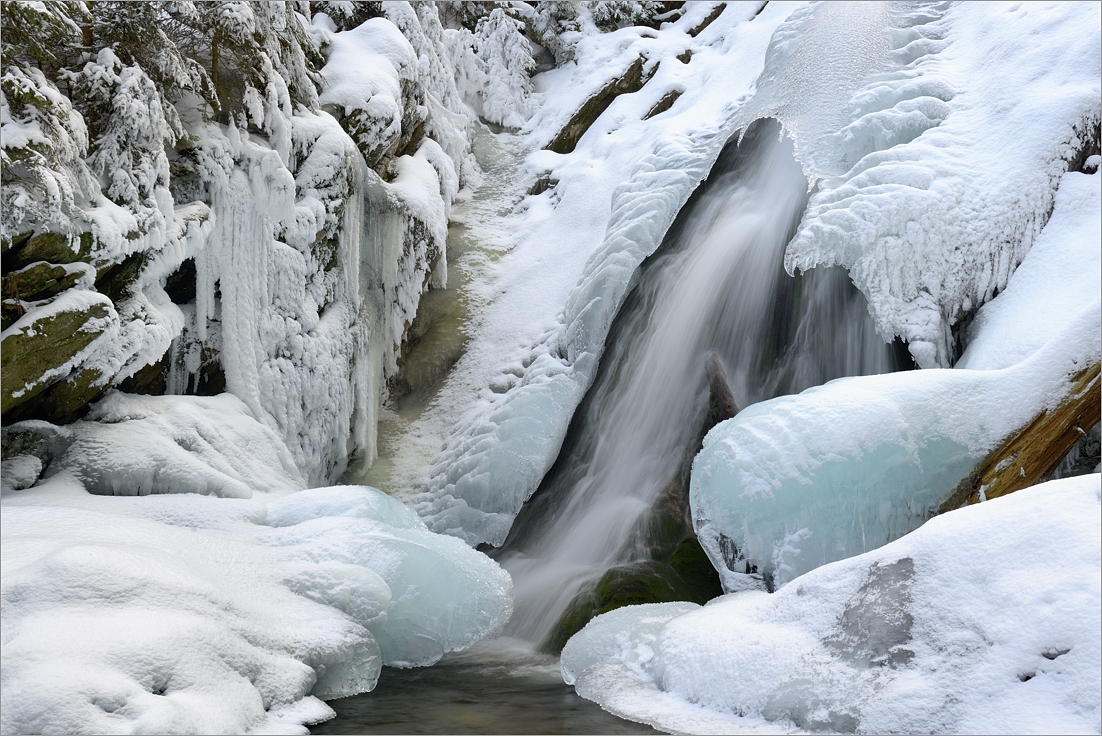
x=985, y=620
x=841, y=469
x=182, y=613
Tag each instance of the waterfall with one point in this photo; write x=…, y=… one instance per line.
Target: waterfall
x=716, y=285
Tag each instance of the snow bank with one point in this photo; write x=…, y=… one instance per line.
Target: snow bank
x=1056, y=280
x=541, y=336
x=137, y=445
x=799, y=481
x=185, y=613
x=985, y=620
x=944, y=172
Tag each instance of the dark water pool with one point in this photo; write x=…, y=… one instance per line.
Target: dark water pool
x=499, y=687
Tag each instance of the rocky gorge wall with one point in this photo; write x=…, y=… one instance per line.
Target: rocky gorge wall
x=220, y=197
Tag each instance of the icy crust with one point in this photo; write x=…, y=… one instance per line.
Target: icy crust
x=138, y=445
x=184, y=613
x=497, y=454
x=800, y=481
x=1056, y=280
x=951, y=629
x=945, y=173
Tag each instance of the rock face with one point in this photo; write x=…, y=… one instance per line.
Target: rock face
x=256, y=239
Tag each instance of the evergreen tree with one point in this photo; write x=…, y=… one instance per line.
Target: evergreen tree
x=508, y=61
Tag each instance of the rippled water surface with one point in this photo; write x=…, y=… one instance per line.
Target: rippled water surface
x=500, y=686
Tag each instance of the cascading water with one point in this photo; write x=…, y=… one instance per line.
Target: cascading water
x=717, y=285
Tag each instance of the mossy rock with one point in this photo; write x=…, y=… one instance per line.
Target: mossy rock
x=635, y=583
x=29, y=353
x=50, y=247
x=39, y=280
x=691, y=563
x=64, y=401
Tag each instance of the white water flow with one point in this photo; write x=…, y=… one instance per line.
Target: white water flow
x=718, y=286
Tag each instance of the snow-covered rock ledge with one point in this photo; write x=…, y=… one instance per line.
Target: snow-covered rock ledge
x=984, y=620
x=178, y=612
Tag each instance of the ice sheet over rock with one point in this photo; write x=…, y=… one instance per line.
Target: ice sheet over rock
x=188, y=613
x=799, y=481
x=985, y=620
x=943, y=176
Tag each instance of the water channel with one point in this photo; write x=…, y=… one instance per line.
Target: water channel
x=715, y=288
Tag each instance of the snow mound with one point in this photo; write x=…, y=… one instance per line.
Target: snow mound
x=185, y=613
x=951, y=629
x=945, y=171
x=136, y=445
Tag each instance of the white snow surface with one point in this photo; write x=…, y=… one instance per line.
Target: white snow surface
x=572, y=251
x=187, y=613
x=984, y=620
x=799, y=481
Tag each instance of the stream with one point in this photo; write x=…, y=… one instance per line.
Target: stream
x=714, y=288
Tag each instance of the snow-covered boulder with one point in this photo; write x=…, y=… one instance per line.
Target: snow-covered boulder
x=186, y=613
x=984, y=620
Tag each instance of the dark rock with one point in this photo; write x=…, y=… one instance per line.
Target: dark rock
x=685, y=56
x=716, y=12
x=39, y=280
x=543, y=183
x=663, y=104
x=115, y=280
x=632, y=80
x=180, y=285
x=151, y=380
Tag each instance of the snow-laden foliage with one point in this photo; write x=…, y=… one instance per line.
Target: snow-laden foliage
x=507, y=56
x=45, y=176
x=557, y=25
x=951, y=629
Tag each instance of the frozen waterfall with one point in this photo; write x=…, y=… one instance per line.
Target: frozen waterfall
x=717, y=285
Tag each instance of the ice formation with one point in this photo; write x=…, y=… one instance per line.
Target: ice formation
x=799, y=481
x=178, y=613
x=950, y=629
x=944, y=172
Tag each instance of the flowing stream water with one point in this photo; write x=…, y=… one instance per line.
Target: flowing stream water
x=715, y=287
